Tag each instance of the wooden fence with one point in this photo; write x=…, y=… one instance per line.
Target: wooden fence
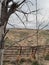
x=18, y=52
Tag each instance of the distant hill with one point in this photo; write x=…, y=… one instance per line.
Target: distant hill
x=27, y=37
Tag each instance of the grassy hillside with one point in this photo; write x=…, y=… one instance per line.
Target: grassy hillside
x=24, y=37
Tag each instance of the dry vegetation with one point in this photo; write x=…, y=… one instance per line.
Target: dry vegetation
x=29, y=36
x=24, y=37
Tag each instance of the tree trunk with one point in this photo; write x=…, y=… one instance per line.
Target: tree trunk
x=1, y=56
x=1, y=45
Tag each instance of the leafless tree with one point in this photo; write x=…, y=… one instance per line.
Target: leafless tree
x=4, y=15
x=5, y=12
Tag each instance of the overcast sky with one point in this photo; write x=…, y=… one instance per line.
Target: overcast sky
x=43, y=15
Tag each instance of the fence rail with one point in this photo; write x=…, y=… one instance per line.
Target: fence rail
x=24, y=50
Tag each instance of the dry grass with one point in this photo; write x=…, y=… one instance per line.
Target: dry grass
x=30, y=39
x=15, y=35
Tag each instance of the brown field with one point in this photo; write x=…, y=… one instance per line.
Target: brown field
x=27, y=37
x=24, y=37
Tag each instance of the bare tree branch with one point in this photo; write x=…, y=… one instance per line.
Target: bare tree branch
x=20, y=19
x=29, y=2
x=27, y=12
x=21, y=3
x=44, y=26
x=11, y=25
